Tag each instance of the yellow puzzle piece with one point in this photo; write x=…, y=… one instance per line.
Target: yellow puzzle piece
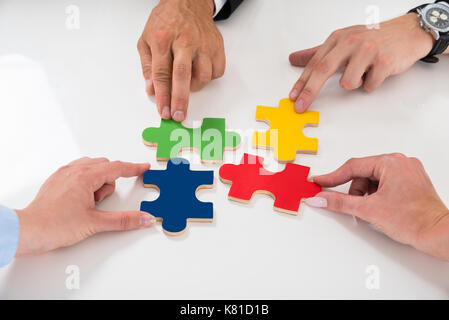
x=285, y=134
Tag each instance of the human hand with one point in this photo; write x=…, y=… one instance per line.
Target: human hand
x=63, y=212
x=180, y=50
x=393, y=193
x=369, y=56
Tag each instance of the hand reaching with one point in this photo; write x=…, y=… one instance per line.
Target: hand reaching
x=63, y=212
x=368, y=57
x=393, y=193
x=180, y=49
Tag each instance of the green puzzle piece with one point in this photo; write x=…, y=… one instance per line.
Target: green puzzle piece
x=211, y=139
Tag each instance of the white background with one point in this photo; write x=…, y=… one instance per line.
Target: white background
x=69, y=93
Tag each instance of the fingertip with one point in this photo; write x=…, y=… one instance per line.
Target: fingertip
x=300, y=105
x=146, y=220
x=294, y=94
x=291, y=57
x=316, y=202
x=298, y=58
x=179, y=115
x=165, y=114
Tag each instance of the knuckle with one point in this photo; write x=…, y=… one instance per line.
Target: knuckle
x=300, y=83
x=187, y=39
x=179, y=100
x=368, y=45
x=398, y=155
x=323, y=66
x=335, y=34
x=307, y=92
x=64, y=168
x=140, y=44
x=417, y=161
x=117, y=163
x=338, y=204
x=161, y=74
x=146, y=69
x=80, y=174
x=125, y=222
x=385, y=61
x=350, y=161
x=162, y=38
x=352, y=38
x=181, y=70
x=102, y=159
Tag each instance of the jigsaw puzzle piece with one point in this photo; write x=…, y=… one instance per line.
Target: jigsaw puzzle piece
x=241, y=190
x=170, y=138
x=287, y=187
x=177, y=203
x=210, y=139
x=288, y=199
x=285, y=135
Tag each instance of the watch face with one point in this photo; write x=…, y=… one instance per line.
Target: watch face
x=437, y=16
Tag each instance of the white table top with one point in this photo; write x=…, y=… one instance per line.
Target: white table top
x=70, y=93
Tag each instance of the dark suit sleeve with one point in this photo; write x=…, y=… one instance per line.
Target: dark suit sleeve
x=228, y=9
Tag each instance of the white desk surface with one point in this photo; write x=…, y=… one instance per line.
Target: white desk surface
x=70, y=93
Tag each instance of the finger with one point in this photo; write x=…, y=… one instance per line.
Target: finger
x=105, y=191
x=182, y=75
x=357, y=67
x=359, y=186
x=218, y=64
x=354, y=168
x=145, y=60
x=201, y=72
x=322, y=51
x=111, y=171
x=87, y=160
x=162, y=77
x=301, y=58
x=327, y=67
x=375, y=77
x=340, y=202
x=122, y=221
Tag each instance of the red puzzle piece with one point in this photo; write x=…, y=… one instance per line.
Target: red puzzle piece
x=287, y=187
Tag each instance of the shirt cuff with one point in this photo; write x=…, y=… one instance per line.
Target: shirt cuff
x=9, y=235
x=218, y=6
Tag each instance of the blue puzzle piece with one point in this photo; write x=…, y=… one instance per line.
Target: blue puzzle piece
x=177, y=202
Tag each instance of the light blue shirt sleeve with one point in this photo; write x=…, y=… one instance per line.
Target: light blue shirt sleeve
x=9, y=235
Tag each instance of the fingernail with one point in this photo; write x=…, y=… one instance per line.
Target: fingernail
x=316, y=202
x=299, y=105
x=294, y=94
x=311, y=178
x=166, y=113
x=147, y=220
x=178, y=116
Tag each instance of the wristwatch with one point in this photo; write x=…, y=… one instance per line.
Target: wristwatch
x=434, y=18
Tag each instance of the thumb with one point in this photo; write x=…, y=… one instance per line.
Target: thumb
x=339, y=202
x=121, y=221
x=301, y=58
